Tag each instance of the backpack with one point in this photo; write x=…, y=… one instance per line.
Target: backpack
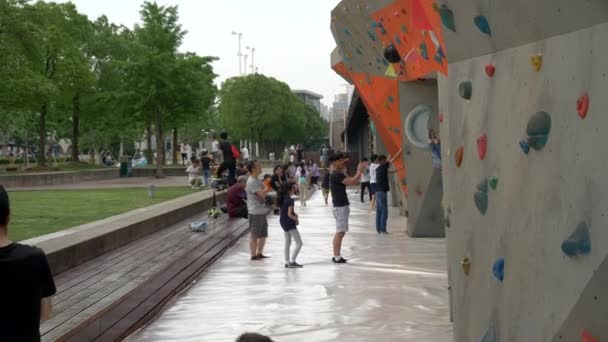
x=235, y=152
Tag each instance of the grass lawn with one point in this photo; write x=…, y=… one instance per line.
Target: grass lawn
x=37, y=213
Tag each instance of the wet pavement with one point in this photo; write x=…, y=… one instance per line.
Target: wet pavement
x=394, y=288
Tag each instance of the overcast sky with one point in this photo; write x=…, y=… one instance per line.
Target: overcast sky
x=292, y=37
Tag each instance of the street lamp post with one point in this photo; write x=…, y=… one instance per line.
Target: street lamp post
x=253, y=68
x=240, y=54
x=245, y=56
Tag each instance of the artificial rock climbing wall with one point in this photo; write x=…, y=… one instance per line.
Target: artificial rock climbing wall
x=525, y=192
x=382, y=44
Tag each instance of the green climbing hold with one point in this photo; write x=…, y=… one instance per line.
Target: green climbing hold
x=538, y=130
x=493, y=181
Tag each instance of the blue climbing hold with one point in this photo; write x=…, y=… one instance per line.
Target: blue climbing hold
x=499, y=269
x=397, y=40
x=466, y=90
x=347, y=31
x=525, y=147
x=371, y=36
x=390, y=99
x=482, y=24
x=447, y=17
x=440, y=52
x=374, y=24
x=481, y=201
x=579, y=242
x=489, y=336
x=423, y=51
x=438, y=59
x=483, y=186
x=382, y=29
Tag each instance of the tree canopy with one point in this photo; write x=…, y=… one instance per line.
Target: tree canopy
x=264, y=109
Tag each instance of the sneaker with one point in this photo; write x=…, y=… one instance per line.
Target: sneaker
x=295, y=265
x=339, y=261
x=262, y=256
x=385, y=232
x=277, y=212
x=255, y=257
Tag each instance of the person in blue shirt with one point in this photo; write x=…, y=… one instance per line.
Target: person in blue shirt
x=289, y=222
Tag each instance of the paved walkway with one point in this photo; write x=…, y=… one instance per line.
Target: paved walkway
x=393, y=289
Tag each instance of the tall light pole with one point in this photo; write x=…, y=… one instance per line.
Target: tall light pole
x=240, y=54
x=245, y=56
x=253, y=69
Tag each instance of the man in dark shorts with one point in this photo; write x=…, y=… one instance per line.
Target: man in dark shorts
x=338, y=182
x=236, y=199
x=256, y=205
x=26, y=284
x=229, y=162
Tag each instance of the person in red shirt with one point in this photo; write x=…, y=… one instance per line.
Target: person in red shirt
x=236, y=199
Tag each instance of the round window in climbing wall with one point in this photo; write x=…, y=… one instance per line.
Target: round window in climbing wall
x=417, y=125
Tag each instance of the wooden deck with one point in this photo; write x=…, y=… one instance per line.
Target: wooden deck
x=148, y=271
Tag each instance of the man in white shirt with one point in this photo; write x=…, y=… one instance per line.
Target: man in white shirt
x=245, y=153
x=215, y=148
x=372, y=179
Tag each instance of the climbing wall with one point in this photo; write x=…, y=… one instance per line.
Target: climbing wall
x=382, y=44
x=525, y=191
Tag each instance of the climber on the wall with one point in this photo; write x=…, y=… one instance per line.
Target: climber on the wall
x=435, y=145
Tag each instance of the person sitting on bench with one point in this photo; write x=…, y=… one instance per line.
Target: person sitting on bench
x=236, y=200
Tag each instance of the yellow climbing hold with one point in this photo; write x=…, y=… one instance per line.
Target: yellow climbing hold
x=537, y=62
x=390, y=72
x=466, y=265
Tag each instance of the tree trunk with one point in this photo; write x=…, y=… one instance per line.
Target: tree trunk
x=42, y=137
x=160, y=146
x=148, y=152
x=174, y=147
x=121, y=150
x=75, y=127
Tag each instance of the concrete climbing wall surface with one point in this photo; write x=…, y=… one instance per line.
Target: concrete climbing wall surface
x=525, y=191
x=425, y=216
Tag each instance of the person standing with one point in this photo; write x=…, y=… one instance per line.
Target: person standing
x=256, y=200
x=338, y=182
x=299, y=153
x=325, y=188
x=229, y=162
x=324, y=156
x=184, y=152
x=215, y=148
x=372, y=180
x=315, y=174
x=245, y=153
x=365, y=181
x=289, y=222
x=206, y=161
x=302, y=179
x=382, y=189
x=26, y=284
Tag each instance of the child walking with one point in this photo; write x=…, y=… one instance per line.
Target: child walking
x=289, y=222
x=302, y=177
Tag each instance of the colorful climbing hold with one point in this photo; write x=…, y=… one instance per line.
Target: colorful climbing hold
x=482, y=146
x=466, y=90
x=403, y=28
x=525, y=147
x=538, y=130
x=447, y=17
x=490, y=70
x=391, y=54
x=424, y=51
x=466, y=265
x=390, y=71
x=499, y=269
x=489, y=336
x=440, y=52
x=483, y=186
x=579, y=242
x=371, y=36
x=447, y=222
x=493, y=181
x=440, y=118
x=587, y=337
x=537, y=62
x=347, y=31
x=459, y=155
x=397, y=40
x=481, y=201
x=582, y=106
x=482, y=24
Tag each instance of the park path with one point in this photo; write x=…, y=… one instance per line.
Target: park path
x=394, y=288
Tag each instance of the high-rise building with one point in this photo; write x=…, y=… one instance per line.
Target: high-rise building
x=310, y=98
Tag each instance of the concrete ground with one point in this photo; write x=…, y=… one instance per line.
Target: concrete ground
x=394, y=288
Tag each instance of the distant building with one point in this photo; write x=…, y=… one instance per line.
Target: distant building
x=325, y=111
x=310, y=98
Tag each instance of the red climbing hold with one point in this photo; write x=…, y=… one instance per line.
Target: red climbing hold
x=441, y=118
x=582, y=106
x=490, y=70
x=482, y=146
x=459, y=155
x=587, y=337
